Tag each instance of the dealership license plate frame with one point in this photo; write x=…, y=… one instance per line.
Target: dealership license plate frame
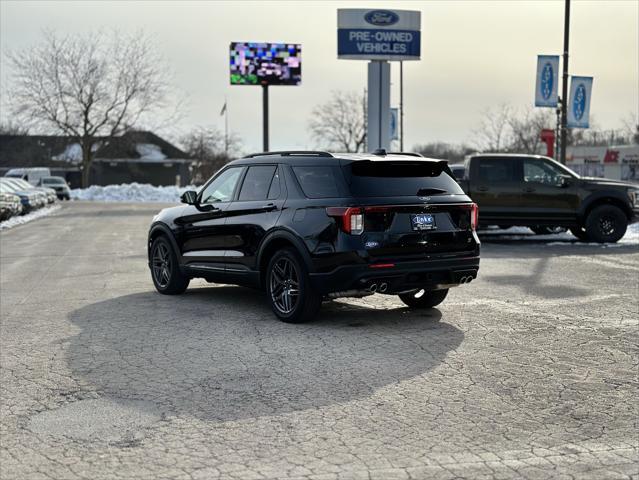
x=422, y=222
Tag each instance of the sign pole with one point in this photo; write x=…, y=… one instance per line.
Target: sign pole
x=564, y=86
x=265, y=117
x=401, y=106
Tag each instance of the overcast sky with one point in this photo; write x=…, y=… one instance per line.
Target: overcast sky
x=474, y=55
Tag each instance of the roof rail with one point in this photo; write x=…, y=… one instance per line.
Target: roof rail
x=290, y=153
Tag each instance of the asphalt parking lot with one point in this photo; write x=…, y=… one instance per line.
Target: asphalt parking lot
x=529, y=372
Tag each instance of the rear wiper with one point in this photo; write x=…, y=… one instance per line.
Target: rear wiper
x=431, y=191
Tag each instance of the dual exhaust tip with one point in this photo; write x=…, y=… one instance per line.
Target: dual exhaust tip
x=381, y=288
x=467, y=279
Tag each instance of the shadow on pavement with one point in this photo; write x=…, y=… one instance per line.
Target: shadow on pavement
x=218, y=353
x=532, y=283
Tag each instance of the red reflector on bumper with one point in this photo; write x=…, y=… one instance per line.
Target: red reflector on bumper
x=382, y=265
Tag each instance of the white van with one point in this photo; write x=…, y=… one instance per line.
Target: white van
x=31, y=175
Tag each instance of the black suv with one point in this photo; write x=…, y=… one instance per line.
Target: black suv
x=310, y=226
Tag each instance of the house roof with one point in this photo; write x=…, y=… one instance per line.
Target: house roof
x=61, y=151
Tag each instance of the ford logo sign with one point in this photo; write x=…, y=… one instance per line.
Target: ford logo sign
x=546, y=81
x=381, y=18
x=579, y=102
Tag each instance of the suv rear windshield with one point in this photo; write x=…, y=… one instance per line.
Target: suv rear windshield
x=395, y=179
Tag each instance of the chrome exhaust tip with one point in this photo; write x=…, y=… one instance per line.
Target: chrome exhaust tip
x=372, y=288
x=383, y=287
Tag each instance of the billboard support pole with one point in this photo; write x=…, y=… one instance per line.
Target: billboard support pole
x=378, y=124
x=265, y=117
x=564, y=86
x=401, y=106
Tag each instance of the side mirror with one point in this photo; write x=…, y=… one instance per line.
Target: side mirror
x=189, y=197
x=564, y=181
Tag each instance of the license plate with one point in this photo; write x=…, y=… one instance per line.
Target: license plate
x=423, y=221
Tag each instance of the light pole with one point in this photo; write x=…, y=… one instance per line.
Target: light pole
x=564, y=86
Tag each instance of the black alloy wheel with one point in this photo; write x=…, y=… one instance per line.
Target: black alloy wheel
x=606, y=223
x=167, y=277
x=288, y=288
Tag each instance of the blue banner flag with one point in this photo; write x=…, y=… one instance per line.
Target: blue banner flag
x=547, y=80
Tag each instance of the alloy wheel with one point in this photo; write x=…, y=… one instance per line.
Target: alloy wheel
x=284, y=285
x=162, y=265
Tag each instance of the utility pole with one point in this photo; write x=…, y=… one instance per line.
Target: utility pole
x=265, y=117
x=401, y=105
x=564, y=86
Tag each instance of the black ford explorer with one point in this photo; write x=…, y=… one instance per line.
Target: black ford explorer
x=310, y=226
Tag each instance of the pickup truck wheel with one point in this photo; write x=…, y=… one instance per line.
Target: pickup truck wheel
x=424, y=298
x=580, y=233
x=288, y=288
x=606, y=223
x=165, y=271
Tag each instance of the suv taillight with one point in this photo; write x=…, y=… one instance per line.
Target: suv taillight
x=351, y=218
x=474, y=216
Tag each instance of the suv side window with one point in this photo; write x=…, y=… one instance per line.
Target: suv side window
x=257, y=183
x=274, y=190
x=221, y=188
x=498, y=170
x=539, y=171
x=317, y=182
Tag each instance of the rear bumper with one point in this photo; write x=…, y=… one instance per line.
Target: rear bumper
x=401, y=276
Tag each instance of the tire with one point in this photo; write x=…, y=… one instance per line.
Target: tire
x=286, y=271
x=424, y=298
x=540, y=230
x=580, y=233
x=165, y=270
x=606, y=224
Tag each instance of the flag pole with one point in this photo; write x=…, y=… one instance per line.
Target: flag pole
x=226, y=127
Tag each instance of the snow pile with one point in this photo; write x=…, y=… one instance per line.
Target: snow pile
x=130, y=192
x=22, y=219
x=523, y=233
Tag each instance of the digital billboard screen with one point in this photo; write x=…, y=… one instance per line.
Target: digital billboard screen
x=266, y=63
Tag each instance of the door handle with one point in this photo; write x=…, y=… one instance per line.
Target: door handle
x=269, y=207
x=529, y=189
x=482, y=189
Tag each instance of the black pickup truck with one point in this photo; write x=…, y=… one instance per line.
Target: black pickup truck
x=538, y=192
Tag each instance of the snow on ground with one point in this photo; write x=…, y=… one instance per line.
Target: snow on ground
x=22, y=219
x=129, y=192
x=523, y=233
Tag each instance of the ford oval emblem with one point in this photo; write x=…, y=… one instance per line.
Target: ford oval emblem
x=546, y=81
x=579, y=102
x=381, y=18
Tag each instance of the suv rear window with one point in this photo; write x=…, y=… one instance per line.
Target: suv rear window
x=396, y=179
x=317, y=181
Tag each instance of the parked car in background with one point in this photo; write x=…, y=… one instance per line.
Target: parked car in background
x=309, y=226
x=538, y=192
x=29, y=199
x=50, y=194
x=31, y=175
x=58, y=184
x=10, y=205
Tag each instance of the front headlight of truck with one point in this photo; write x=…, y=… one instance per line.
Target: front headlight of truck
x=633, y=193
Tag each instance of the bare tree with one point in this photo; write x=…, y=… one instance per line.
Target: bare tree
x=526, y=127
x=443, y=150
x=13, y=128
x=90, y=87
x=493, y=130
x=210, y=150
x=340, y=123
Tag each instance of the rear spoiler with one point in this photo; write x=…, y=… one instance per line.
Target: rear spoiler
x=399, y=168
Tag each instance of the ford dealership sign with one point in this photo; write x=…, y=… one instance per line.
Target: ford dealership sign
x=579, y=103
x=381, y=18
x=378, y=34
x=547, y=80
